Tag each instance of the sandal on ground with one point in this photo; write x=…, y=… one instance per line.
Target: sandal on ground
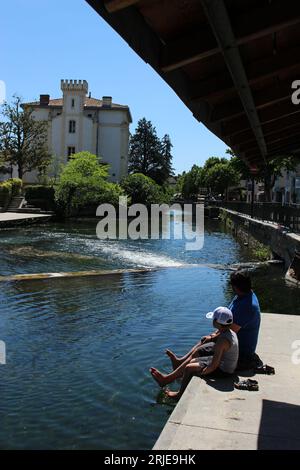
x=249, y=384
x=265, y=369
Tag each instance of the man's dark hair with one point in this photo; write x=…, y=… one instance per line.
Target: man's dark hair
x=241, y=280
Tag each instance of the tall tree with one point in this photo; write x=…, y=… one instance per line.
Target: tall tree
x=3, y=167
x=23, y=140
x=149, y=155
x=192, y=182
x=220, y=177
x=166, y=159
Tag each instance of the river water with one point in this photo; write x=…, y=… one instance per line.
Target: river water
x=79, y=350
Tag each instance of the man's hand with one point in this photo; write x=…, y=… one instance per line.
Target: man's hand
x=206, y=339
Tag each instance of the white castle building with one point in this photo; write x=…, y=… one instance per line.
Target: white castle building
x=77, y=122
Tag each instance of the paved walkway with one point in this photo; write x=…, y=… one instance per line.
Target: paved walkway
x=9, y=219
x=214, y=415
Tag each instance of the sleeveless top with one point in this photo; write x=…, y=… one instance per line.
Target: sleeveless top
x=229, y=359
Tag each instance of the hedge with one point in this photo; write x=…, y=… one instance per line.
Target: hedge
x=8, y=189
x=39, y=192
x=41, y=196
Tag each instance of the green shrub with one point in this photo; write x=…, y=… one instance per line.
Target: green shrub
x=83, y=183
x=41, y=196
x=16, y=185
x=144, y=190
x=39, y=192
x=6, y=188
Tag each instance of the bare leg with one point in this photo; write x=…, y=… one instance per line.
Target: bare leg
x=190, y=370
x=164, y=379
x=177, y=361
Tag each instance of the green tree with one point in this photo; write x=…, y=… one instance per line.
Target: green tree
x=23, y=140
x=166, y=169
x=212, y=161
x=239, y=165
x=191, y=183
x=219, y=177
x=83, y=181
x=3, y=166
x=148, y=155
x=142, y=189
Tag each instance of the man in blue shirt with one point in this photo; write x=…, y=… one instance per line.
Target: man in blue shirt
x=246, y=322
x=246, y=318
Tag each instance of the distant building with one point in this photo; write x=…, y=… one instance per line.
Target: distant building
x=77, y=122
x=286, y=189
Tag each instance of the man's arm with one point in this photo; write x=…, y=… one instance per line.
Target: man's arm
x=222, y=345
x=234, y=327
x=210, y=338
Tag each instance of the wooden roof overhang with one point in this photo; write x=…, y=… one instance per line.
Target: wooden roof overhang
x=232, y=62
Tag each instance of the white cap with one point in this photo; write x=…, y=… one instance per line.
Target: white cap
x=221, y=315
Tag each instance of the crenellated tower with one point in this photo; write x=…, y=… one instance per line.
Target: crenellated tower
x=74, y=93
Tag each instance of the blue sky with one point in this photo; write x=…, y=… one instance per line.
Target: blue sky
x=44, y=41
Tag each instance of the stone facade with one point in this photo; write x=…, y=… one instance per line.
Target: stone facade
x=77, y=122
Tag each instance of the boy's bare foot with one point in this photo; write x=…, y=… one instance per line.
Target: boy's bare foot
x=174, y=395
x=158, y=376
x=174, y=359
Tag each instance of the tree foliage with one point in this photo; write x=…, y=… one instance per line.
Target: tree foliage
x=144, y=190
x=220, y=177
x=191, y=182
x=23, y=140
x=148, y=154
x=83, y=182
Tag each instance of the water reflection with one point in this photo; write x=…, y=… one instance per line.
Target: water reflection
x=79, y=349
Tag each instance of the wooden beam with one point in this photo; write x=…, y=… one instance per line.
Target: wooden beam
x=268, y=115
x=283, y=143
x=220, y=86
x=116, y=5
x=218, y=18
x=188, y=49
x=249, y=26
x=273, y=138
x=262, y=98
x=284, y=122
x=285, y=147
x=278, y=111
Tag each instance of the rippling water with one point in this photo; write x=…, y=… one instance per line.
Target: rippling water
x=79, y=350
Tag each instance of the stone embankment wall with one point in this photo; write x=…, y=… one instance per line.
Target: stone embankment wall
x=282, y=243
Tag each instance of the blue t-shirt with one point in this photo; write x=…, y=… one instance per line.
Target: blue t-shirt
x=246, y=314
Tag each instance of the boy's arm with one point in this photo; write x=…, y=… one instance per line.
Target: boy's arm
x=210, y=338
x=222, y=345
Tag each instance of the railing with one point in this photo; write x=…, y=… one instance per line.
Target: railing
x=287, y=216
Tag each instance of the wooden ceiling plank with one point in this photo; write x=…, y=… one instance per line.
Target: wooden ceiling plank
x=116, y=5
x=221, y=86
x=248, y=27
x=262, y=98
x=219, y=20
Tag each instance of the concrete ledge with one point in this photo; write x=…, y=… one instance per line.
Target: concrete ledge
x=214, y=415
x=15, y=219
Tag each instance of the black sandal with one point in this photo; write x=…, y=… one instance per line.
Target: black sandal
x=265, y=369
x=249, y=384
